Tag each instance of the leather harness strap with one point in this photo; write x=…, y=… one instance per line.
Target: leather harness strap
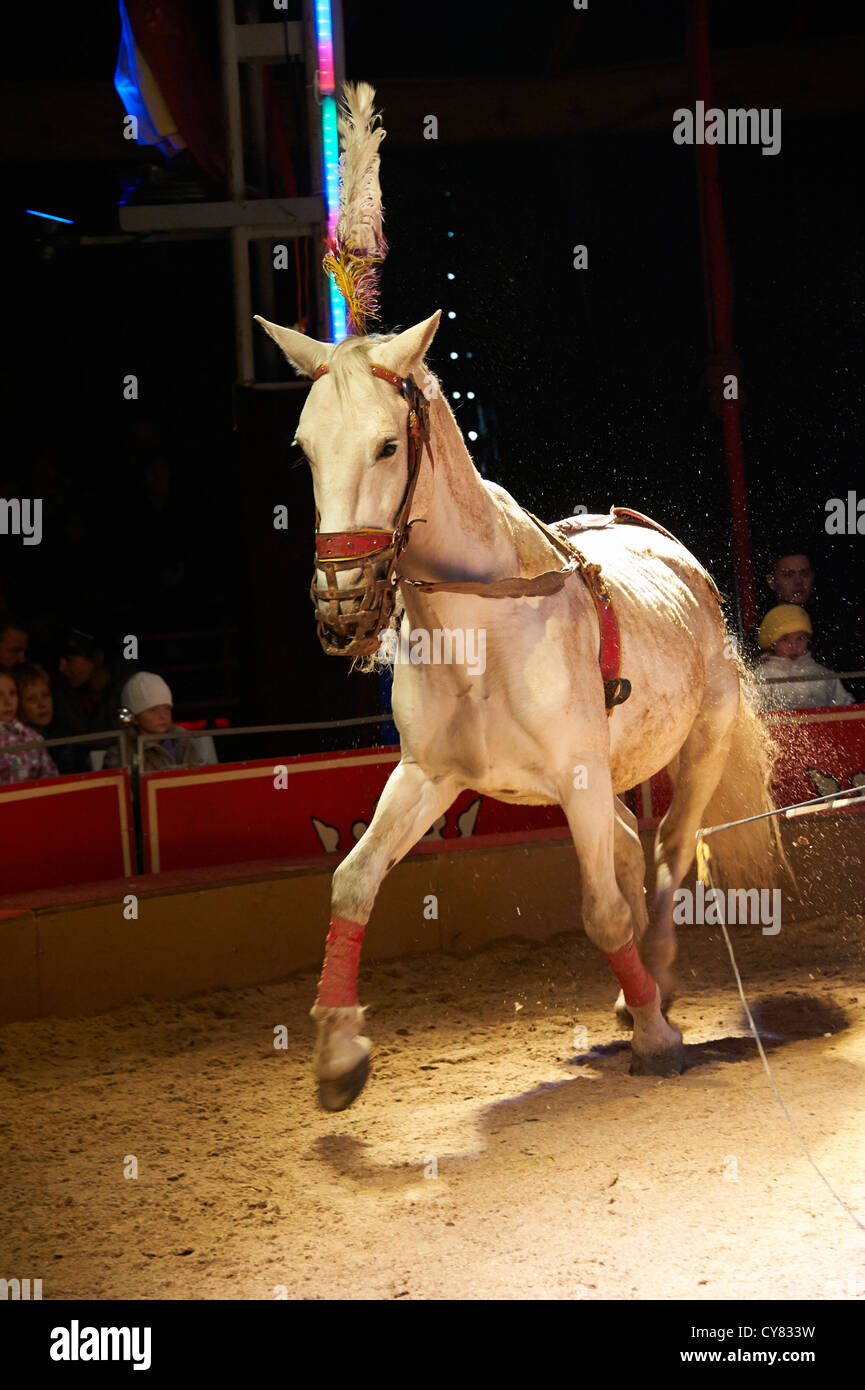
x=616, y=687
x=355, y=633
x=350, y=617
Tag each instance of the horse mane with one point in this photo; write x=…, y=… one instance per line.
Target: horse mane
x=350, y=358
x=348, y=364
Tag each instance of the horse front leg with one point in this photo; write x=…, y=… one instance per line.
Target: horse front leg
x=409, y=804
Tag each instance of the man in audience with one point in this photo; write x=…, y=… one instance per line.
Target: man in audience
x=84, y=701
x=13, y=639
x=836, y=617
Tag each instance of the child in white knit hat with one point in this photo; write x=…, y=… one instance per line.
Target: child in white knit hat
x=149, y=700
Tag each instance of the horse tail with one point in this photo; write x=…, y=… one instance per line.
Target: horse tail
x=749, y=854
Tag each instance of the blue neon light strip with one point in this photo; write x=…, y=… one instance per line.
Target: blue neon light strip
x=330, y=148
x=52, y=216
x=330, y=140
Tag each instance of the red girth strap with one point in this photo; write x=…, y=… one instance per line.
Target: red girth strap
x=616, y=690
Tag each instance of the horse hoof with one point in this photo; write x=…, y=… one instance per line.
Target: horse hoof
x=670, y=1062
x=339, y=1092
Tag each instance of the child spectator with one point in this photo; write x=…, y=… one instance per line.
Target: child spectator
x=785, y=634
x=35, y=705
x=150, y=700
x=24, y=764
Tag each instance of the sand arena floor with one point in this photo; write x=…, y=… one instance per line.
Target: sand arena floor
x=497, y=1152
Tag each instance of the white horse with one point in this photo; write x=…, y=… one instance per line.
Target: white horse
x=532, y=726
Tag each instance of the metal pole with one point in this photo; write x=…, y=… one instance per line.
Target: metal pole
x=719, y=310
x=242, y=305
x=262, y=250
x=316, y=169
x=236, y=189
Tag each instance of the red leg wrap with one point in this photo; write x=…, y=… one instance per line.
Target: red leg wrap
x=337, y=988
x=637, y=983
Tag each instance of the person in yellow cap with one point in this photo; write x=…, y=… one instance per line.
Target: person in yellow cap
x=785, y=638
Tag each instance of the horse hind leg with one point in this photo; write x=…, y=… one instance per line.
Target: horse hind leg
x=656, y=1047
x=631, y=878
x=701, y=763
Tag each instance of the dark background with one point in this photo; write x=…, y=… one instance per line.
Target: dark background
x=590, y=386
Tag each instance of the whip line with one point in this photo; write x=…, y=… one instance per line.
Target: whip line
x=704, y=873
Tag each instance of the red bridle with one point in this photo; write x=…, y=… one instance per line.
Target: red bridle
x=371, y=549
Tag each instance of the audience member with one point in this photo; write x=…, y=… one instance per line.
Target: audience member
x=22, y=764
x=837, y=617
x=150, y=701
x=785, y=636
x=84, y=701
x=13, y=639
x=35, y=705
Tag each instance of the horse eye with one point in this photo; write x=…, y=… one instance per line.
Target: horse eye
x=388, y=451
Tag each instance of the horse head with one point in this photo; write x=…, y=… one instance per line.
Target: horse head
x=362, y=431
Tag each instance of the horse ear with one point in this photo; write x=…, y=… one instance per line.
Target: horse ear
x=304, y=354
x=404, y=352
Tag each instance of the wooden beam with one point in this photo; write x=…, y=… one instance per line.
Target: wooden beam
x=804, y=82
x=60, y=121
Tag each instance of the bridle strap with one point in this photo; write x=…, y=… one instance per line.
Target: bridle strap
x=359, y=549
x=418, y=432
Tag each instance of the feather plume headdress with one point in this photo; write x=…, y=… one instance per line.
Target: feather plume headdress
x=356, y=252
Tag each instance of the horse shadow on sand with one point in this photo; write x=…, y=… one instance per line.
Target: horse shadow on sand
x=780, y=1020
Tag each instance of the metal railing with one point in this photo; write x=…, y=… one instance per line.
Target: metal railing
x=104, y=736
x=823, y=676
x=124, y=737
x=144, y=739
x=128, y=742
